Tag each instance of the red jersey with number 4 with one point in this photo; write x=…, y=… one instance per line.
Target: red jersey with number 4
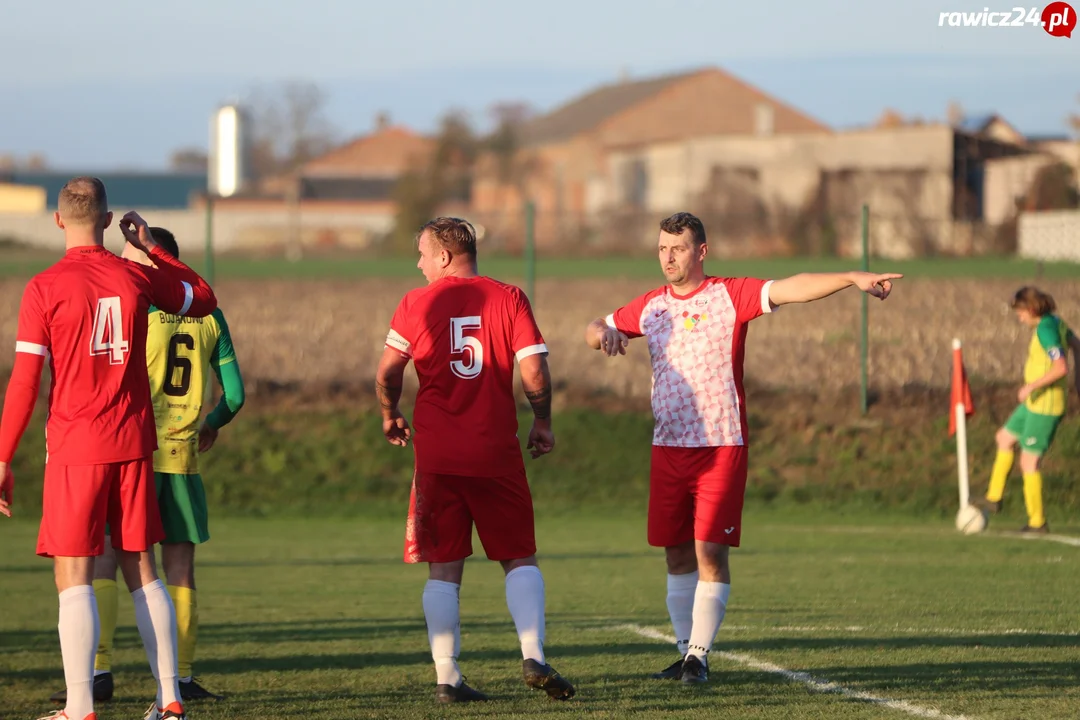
x=464, y=336
x=86, y=316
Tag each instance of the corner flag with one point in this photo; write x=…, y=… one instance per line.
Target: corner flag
x=961, y=391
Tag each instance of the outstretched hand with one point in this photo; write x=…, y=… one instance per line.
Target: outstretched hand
x=136, y=231
x=877, y=284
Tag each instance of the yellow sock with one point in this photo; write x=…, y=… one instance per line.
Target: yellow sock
x=1033, y=499
x=187, y=627
x=999, y=474
x=107, y=598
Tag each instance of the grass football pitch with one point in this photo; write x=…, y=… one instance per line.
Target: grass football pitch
x=830, y=617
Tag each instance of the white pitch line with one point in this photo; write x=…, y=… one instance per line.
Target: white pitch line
x=1063, y=539
x=916, y=630
x=811, y=682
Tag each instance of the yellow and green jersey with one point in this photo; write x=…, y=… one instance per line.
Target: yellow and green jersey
x=180, y=353
x=1048, y=343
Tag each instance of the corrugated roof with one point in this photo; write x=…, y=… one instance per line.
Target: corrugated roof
x=593, y=108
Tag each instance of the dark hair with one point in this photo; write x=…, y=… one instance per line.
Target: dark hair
x=682, y=221
x=1033, y=300
x=454, y=234
x=165, y=239
x=83, y=201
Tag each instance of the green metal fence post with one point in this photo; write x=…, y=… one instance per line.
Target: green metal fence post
x=865, y=352
x=209, y=274
x=530, y=251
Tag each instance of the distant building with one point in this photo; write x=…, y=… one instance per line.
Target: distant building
x=567, y=150
x=127, y=190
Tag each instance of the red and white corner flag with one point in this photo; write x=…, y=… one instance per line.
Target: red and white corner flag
x=961, y=391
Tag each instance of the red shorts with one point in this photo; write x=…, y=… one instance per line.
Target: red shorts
x=79, y=499
x=443, y=508
x=696, y=494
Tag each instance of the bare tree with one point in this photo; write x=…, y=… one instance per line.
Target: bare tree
x=289, y=126
x=506, y=143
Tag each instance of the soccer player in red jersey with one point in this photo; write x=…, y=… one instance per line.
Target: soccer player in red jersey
x=463, y=332
x=695, y=326
x=86, y=317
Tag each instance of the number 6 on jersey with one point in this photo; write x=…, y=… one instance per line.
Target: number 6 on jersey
x=471, y=346
x=108, y=335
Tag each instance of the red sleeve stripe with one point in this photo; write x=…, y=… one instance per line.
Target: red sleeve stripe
x=189, y=295
x=21, y=346
x=766, y=304
x=530, y=350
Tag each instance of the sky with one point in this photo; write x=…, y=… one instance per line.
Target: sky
x=121, y=84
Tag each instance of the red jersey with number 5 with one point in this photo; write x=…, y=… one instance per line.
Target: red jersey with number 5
x=86, y=315
x=464, y=336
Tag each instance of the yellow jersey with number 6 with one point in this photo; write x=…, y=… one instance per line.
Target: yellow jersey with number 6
x=179, y=354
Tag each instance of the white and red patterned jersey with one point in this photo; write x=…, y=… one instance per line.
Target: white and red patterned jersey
x=697, y=344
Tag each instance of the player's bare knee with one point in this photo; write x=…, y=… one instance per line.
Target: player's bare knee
x=71, y=572
x=1005, y=439
x=105, y=563
x=509, y=566
x=681, y=559
x=138, y=568
x=712, y=559
x=178, y=562
x=1029, y=462
x=450, y=572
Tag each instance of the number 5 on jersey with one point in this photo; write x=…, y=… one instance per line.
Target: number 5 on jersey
x=108, y=332
x=469, y=367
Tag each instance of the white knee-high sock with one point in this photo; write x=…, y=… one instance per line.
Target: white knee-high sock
x=442, y=611
x=680, y=606
x=710, y=603
x=525, y=599
x=79, y=634
x=156, y=618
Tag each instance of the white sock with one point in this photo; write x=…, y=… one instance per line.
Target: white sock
x=79, y=635
x=680, y=607
x=443, y=616
x=525, y=599
x=102, y=672
x=710, y=602
x=156, y=619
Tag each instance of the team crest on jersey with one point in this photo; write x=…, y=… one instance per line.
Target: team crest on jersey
x=690, y=322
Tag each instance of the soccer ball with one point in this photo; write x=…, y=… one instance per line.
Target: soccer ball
x=971, y=520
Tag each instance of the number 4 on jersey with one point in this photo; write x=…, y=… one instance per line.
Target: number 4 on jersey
x=108, y=334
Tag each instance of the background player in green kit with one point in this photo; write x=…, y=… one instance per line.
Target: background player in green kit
x=1042, y=403
x=179, y=353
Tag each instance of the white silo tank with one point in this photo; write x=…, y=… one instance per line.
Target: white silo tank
x=230, y=164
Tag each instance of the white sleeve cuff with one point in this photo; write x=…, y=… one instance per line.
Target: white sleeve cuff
x=189, y=295
x=766, y=306
x=530, y=350
x=395, y=341
x=21, y=346
x=610, y=320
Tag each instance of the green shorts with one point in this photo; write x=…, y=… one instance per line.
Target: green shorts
x=1033, y=431
x=182, y=504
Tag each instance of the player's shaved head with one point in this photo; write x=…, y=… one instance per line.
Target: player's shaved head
x=83, y=202
x=165, y=239
x=680, y=222
x=452, y=234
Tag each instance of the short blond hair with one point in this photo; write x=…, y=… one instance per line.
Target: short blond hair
x=83, y=201
x=453, y=234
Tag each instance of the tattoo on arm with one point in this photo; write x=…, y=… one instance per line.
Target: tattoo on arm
x=540, y=399
x=389, y=395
